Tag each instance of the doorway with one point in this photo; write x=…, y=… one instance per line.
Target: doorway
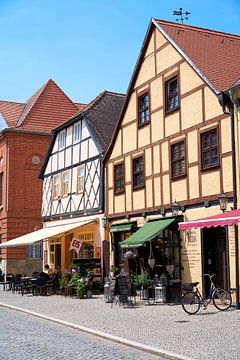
x=55, y=255
x=215, y=257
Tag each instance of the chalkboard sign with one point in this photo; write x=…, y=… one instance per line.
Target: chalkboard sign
x=121, y=289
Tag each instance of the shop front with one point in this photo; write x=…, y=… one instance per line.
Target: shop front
x=154, y=251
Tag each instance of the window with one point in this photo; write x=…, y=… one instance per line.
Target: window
x=35, y=251
x=172, y=94
x=209, y=149
x=56, y=186
x=138, y=173
x=76, y=132
x=1, y=190
x=143, y=109
x=119, y=178
x=80, y=178
x=65, y=183
x=178, y=159
x=62, y=139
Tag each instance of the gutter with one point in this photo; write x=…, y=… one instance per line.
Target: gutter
x=227, y=100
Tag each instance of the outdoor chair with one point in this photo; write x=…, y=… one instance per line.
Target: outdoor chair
x=16, y=284
x=40, y=287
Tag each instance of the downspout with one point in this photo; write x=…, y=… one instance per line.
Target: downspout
x=223, y=101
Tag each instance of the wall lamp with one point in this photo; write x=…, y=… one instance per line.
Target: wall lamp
x=175, y=208
x=223, y=201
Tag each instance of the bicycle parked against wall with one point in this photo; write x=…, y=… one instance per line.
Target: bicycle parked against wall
x=193, y=300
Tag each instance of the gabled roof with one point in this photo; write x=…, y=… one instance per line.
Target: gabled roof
x=48, y=107
x=101, y=116
x=214, y=55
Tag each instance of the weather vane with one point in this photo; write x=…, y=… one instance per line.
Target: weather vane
x=181, y=14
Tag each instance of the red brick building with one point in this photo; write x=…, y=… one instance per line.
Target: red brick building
x=24, y=138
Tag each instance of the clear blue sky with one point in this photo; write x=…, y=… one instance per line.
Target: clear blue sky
x=87, y=46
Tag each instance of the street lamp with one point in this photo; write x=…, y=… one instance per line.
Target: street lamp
x=223, y=201
x=175, y=208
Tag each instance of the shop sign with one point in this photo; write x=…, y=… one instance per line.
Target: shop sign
x=75, y=245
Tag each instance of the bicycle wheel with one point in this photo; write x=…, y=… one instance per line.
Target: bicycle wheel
x=191, y=302
x=222, y=299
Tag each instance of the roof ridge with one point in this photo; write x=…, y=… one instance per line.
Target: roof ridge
x=197, y=28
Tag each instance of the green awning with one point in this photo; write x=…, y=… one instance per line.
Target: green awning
x=121, y=227
x=148, y=232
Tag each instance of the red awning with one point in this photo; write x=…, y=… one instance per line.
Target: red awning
x=224, y=219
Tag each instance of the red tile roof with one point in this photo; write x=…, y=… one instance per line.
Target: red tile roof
x=46, y=109
x=215, y=54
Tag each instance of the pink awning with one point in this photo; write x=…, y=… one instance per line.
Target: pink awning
x=224, y=219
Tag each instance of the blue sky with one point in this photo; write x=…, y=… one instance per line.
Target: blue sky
x=87, y=46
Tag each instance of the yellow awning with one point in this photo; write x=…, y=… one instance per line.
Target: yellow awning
x=42, y=234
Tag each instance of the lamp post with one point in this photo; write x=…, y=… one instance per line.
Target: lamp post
x=223, y=201
x=175, y=208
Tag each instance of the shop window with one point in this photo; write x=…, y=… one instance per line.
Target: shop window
x=178, y=159
x=138, y=173
x=80, y=179
x=35, y=251
x=119, y=179
x=143, y=109
x=172, y=94
x=56, y=187
x=209, y=149
x=65, y=183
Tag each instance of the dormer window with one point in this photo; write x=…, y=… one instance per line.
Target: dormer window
x=62, y=139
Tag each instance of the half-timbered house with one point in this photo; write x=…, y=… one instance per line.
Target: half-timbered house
x=73, y=194
x=171, y=156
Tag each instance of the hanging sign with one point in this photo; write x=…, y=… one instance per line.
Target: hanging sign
x=75, y=245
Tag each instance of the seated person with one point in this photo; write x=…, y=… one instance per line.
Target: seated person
x=48, y=270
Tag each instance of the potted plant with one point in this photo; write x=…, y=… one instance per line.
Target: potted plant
x=141, y=280
x=80, y=289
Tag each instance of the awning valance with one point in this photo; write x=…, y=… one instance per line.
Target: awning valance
x=146, y=233
x=121, y=227
x=224, y=219
x=42, y=234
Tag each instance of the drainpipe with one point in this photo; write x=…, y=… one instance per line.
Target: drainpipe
x=224, y=99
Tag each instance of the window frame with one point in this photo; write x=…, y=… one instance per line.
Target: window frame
x=166, y=85
x=137, y=187
x=145, y=110
x=179, y=160
x=64, y=194
x=81, y=190
x=78, y=126
x=211, y=148
x=35, y=251
x=62, y=139
x=119, y=178
x=55, y=194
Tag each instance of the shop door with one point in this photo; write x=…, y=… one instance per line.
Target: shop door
x=214, y=253
x=57, y=257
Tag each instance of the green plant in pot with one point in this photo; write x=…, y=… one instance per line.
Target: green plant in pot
x=141, y=279
x=80, y=289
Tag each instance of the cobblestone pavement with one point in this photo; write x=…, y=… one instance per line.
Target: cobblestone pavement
x=208, y=335
x=30, y=338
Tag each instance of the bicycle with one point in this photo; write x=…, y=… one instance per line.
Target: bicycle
x=193, y=300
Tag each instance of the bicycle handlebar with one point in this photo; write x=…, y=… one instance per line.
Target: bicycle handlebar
x=210, y=275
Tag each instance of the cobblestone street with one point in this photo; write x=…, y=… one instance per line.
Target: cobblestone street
x=209, y=335
x=28, y=338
